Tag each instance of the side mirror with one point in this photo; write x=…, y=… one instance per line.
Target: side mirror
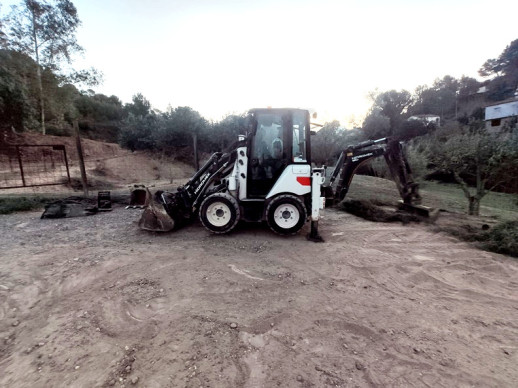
x=312, y=133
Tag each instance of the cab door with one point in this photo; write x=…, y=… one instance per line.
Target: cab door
x=271, y=151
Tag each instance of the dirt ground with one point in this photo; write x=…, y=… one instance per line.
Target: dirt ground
x=95, y=302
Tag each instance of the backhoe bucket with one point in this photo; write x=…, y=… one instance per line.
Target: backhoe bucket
x=420, y=210
x=139, y=197
x=154, y=217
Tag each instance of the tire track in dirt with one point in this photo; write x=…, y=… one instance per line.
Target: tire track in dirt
x=375, y=305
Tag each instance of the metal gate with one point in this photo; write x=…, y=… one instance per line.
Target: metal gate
x=27, y=165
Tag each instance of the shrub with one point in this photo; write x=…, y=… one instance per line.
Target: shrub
x=16, y=204
x=503, y=238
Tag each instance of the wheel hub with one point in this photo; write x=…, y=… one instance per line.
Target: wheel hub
x=286, y=216
x=218, y=214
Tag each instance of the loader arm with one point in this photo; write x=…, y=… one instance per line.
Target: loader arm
x=168, y=210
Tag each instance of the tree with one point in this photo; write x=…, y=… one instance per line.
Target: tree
x=189, y=121
x=505, y=64
x=46, y=32
x=392, y=104
x=139, y=132
x=20, y=93
x=226, y=131
x=140, y=106
x=468, y=86
x=410, y=129
x=504, y=71
x=441, y=98
x=376, y=125
x=16, y=105
x=3, y=36
x=180, y=126
x=326, y=143
x=99, y=107
x=474, y=156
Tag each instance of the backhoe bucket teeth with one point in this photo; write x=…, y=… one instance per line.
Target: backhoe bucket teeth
x=155, y=218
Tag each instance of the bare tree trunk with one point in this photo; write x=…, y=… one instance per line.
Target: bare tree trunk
x=38, y=74
x=473, y=200
x=474, y=206
x=42, y=103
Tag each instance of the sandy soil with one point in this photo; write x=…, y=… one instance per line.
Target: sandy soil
x=94, y=301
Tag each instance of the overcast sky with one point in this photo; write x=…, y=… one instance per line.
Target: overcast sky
x=227, y=56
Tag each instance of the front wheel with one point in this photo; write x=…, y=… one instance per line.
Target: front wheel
x=286, y=214
x=219, y=213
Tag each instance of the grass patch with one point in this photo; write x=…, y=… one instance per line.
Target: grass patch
x=444, y=196
x=450, y=197
x=16, y=204
x=495, y=230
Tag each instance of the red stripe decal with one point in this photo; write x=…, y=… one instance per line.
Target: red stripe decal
x=304, y=180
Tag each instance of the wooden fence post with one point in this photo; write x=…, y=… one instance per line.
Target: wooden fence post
x=81, y=158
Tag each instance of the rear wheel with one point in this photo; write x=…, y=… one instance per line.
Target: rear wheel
x=286, y=214
x=219, y=213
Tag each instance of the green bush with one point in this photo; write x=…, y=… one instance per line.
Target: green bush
x=16, y=204
x=503, y=238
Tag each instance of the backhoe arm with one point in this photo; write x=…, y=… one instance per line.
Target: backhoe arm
x=354, y=156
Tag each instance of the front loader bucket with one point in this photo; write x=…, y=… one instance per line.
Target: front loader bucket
x=154, y=217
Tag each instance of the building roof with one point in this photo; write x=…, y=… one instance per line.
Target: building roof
x=502, y=110
x=420, y=117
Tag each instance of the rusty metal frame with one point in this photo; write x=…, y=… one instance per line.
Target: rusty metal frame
x=55, y=147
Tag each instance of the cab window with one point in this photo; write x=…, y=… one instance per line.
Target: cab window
x=299, y=137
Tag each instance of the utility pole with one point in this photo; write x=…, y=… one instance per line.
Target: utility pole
x=456, y=104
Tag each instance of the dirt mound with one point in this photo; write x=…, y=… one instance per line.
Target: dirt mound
x=377, y=212
x=91, y=148
x=108, y=166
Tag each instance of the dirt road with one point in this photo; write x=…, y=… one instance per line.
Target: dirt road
x=93, y=301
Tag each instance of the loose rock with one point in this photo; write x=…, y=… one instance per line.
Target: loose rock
x=359, y=365
x=233, y=325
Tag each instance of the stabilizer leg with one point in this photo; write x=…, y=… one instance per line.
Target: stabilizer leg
x=313, y=234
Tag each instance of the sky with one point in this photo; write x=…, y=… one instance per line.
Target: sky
x=222, y=57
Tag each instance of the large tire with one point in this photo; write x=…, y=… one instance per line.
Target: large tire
x=286, y=214
x=219, y=213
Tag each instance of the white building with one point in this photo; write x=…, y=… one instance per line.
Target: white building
x=427, y=119
x=499, y=114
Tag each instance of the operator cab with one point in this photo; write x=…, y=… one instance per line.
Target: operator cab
x=279, y=138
